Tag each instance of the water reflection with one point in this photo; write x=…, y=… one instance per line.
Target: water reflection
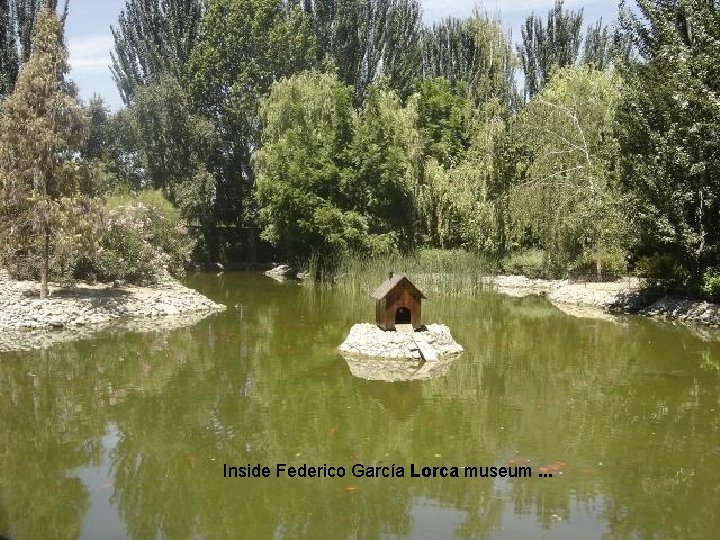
x=393, y=370
x=631, y=409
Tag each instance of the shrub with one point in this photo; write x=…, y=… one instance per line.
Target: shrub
x=130, y=238
x=662, y=270
x=711, y=285
x=613, y=265
x=531, y=263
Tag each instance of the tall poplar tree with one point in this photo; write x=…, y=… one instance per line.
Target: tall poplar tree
x=153, y=38
x=476, y=52
x=9, y=60
x=548, y=46
x=367, y=39
x=17, y=25
x=41, y=125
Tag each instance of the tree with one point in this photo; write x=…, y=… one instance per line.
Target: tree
x=153, y=38
x=567, y=195
x=599, y=47
x=443, y=119
x=476, y=52
x=384, y=165
x=173, y=146
x=368, y=39
x=97, y=138
x=304, y=201
x=670, y=132
x=9, y=60
x=245, y=46
x=41, y=125
x=546, y=47
x=173, y=141
x=17, y=25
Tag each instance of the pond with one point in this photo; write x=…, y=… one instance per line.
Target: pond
x=126, y=435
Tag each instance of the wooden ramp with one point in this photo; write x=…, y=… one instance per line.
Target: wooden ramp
x=426, y=351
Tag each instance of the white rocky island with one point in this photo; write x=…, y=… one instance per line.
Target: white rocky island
x=29, y=322
x=398, y=347
x=369, y=340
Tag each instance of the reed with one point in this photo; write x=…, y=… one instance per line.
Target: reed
x=439, y=272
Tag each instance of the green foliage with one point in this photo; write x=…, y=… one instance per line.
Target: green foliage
x=474, y=55
x=17, y=25
x=454, y=210
x=546, y=47
x=308, y=127
x=368, y=40
x=670, y=132
x=382, y=168
x=612, y=264
x=599, y=49
x=41, y=127
x=566, y=195
x=134, y=238
x=153, y=40
x=662, y=269
x=443, y=118
x=711, y=285
x=98, y=134
x=532, y=263
x=174, y=143
x=137, y=238
x=245, y=45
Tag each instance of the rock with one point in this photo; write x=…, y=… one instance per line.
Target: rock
x=282, y=271
x=89, y=306
x=622, y=296
x=370, y=340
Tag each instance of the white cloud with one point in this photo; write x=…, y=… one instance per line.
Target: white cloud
x=90, y=54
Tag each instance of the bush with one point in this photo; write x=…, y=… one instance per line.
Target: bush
x=531, y=264
x=613, y=266
x=134, y=239
x=711, y=285
x=662, y=270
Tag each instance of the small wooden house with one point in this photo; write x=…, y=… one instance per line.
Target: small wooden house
x=397, y=301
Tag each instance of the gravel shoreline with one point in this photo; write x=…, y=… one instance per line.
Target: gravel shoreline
x=94, y=305
x=625, y=296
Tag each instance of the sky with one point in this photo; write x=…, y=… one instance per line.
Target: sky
x=89, y=39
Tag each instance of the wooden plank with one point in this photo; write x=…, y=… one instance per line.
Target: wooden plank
x=426, y=351
x=404, y=328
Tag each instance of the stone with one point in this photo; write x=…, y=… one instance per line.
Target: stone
x=368, y=339
x=90, y=306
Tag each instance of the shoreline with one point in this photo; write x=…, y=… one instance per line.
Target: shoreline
x=626, y=296
x=94, y=306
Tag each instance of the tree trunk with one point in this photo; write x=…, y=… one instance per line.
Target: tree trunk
x=45, y=258
x=598, y=261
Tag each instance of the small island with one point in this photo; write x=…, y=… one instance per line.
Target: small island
x=399, y=332
x=368, y=339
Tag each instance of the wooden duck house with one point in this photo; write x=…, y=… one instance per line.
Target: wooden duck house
x=397, y=301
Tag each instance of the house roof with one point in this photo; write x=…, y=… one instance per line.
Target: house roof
x=389, y=284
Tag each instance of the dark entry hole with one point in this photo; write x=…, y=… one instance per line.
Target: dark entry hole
x=402, y=316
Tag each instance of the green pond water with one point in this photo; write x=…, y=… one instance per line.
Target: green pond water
x=126, y=435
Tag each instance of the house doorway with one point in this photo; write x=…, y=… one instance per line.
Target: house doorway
x=402, y=316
